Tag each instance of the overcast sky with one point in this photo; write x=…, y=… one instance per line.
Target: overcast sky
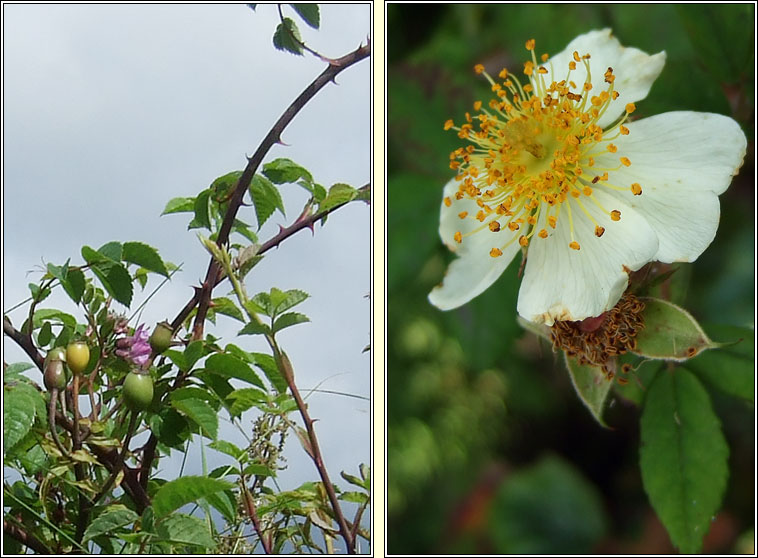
x=112, y=110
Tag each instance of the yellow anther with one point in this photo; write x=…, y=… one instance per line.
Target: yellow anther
x=530, y=44
x=542, y=70
x=496, y=252
x=544, y=57
x=636, y=189
x=625, y=161
x=513, y=226
x=624, y=130
x=552, y=220
x=630, y=108
x=494, y=226
x=477, y=105
x=587, y=191
x=615, y=215
x=524, y=241
x=448, y=201
x=458, y=237
x=587, y=86
x=572, y=65
x=503, y=73
x=448, y=123
x=576, y=56
x=599, y=231
x=615, y=95
x=542, y=233
x=574, y=245
x=532, y=220
x=612, y=148
x=463, y=214
x=479, y=68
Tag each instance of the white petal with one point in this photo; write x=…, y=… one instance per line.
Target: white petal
x=564, y=284
x=634, y=69
x=682, y=160
x=450, y=222
x=474, y=270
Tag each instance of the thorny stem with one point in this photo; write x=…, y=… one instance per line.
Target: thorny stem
x=285, y=368
x=202, y=295
x=249, y=502
x=273, y=136
x=25, y=342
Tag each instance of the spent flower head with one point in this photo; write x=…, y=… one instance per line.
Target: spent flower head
x=135, y=348
x=556, y=168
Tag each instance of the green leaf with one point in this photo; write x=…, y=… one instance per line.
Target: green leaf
x=285, y=171
x=180, y=528
x=110, y=521
x=56, y=316
x=268, y=365
x=145, y=256
x=670, y=332
x=731, y=367
x=223, y=305
x=225, y=502
x=591, y=386
x=244, y=229
x=18, y=414
x=243, y=399
x=202, y=219
x=112, y=250
x=116, y=280
x=45, y=334
x=74, y=284
x=309, y=13
x=352, y=479
x=13, y=371
x=224, y=186
x=548, y=508
x=194, y=352
x=283, y=301
x=228, y=448
x=287, y=37
x=289, y=319
x=683, y=457
x=354, y=497
x=179, y=205
x=338, y=194
x=254, y=328
x=266, y=198
x=230, y=366
x=261, y=304
x=37, y=294
x=176, y=493
x=200, y=413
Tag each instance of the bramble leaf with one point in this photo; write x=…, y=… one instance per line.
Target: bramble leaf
x=683, y=457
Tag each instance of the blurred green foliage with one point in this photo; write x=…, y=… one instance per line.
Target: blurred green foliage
x=483, y=424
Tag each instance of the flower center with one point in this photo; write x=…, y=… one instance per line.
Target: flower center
x=535, y=147
x=596, y=341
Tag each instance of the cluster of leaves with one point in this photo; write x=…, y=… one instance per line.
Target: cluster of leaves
x=287, y=35
x=192, y=387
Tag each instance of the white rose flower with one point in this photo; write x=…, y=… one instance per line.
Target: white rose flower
x=556, y=169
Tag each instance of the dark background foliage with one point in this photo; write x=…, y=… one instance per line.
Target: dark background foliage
x=489, y=449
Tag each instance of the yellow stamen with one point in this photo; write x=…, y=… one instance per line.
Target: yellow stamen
x=496, y=252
